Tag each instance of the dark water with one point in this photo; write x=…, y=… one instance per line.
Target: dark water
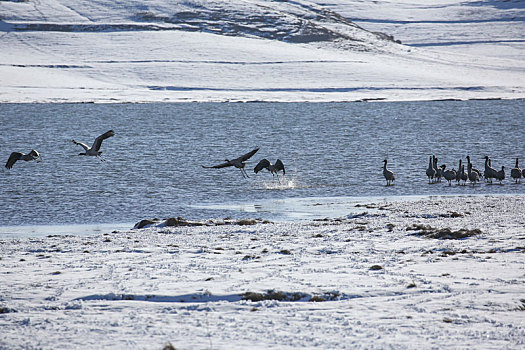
x=153, y=166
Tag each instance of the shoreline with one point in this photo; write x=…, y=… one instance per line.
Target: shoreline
x=367, y=100
x=298, y=210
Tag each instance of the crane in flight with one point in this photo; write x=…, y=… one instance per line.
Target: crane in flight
x=94, y=150
x=239, y=162
x=33, y=155
x=272, y=168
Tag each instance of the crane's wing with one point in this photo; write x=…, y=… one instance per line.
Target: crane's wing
x=264, y=163
x=12, y=159
x=81, y=144
x=279, y=166
x=248, y=155
x=98, y=140
x=218, y=166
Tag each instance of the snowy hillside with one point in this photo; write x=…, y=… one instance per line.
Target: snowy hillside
x=490, y=27
x=214, y=50
x=298, y=22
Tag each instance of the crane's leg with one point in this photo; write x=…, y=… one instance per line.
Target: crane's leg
x=243, y=172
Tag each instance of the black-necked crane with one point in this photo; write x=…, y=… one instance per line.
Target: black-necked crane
x=94, y=150
x=388, y=174
x=439, y=173
x=458, y=174
x=33, y=155
x=431, y=172
x=472, y=167
x=272, y=168
x=515, y=172
x=239, y=162
x=463, y=175
x=473, y=176
x=490, y=172
x=500, y=175
x=449, y=175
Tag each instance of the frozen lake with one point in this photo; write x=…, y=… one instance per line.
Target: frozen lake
x=333, y=154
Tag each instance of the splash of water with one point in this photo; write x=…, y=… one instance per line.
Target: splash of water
x=283, y=183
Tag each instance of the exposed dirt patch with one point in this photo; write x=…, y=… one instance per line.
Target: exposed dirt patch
x=441, y=233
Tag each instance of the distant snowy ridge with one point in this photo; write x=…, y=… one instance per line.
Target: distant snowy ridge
x=290, y=21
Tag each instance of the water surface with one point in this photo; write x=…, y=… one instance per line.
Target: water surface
x=153, y=166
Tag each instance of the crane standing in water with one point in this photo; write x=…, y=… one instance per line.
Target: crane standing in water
x=388, y=174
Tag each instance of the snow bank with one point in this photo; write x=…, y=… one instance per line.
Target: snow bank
x=369, y=280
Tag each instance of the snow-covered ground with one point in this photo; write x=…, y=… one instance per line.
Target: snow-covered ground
x=388, y=276
x=214, y=50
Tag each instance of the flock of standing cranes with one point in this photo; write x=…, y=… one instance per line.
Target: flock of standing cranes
x=94, y=150
x=435, y=173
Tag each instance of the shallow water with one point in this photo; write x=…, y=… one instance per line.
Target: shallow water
x=153, y=166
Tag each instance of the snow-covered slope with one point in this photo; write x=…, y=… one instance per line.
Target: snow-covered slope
x=214, y=50
x=300, y=21
x=490, y=27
